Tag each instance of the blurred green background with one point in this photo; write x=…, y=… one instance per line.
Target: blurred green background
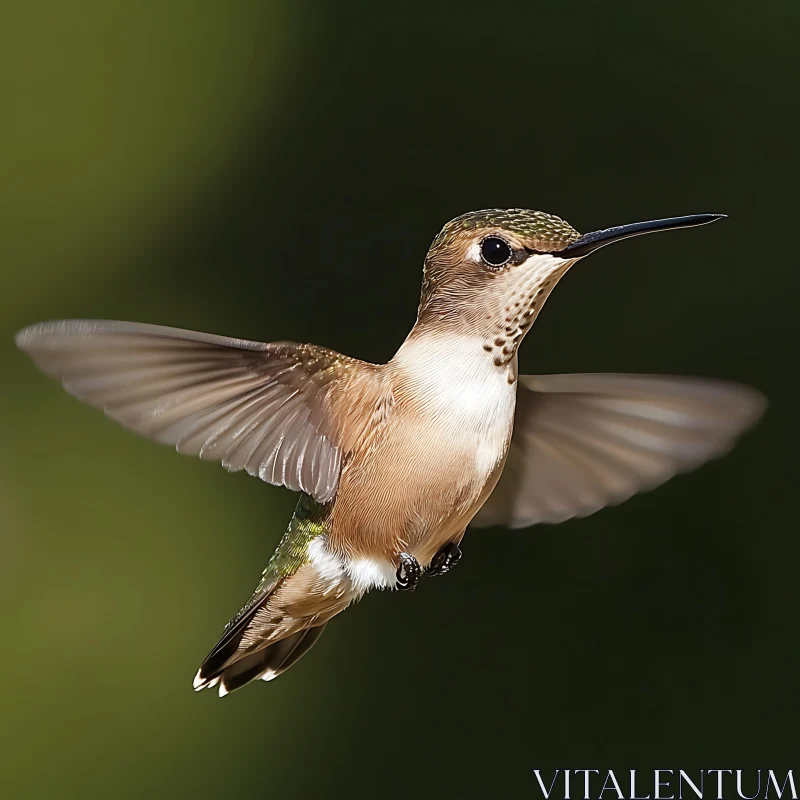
x=276, y=171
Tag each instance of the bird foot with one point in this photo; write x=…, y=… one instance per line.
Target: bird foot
x=444, y=560
x=408, y=573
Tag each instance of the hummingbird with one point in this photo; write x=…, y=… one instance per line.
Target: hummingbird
x=394, y=461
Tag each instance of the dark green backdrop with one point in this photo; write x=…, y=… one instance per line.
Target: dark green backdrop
x=277, y=171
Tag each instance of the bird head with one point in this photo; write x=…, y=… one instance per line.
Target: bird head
x=488, y=273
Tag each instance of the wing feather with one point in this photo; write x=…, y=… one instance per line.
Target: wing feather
x=582, y=442
x=269, y=409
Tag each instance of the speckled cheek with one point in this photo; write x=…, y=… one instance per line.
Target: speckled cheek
x=531, y=285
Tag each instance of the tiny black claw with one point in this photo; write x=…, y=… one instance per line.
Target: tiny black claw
x=408, y=573
x=444, y=560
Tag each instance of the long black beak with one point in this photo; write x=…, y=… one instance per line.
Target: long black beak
x=590, y=242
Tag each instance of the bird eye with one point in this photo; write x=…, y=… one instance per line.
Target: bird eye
x=495, y=251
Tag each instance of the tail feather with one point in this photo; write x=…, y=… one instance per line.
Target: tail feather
x=264, y=664
x=225, y=650
x=281, y=623
x=303, y=586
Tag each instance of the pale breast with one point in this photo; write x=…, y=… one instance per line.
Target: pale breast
x=439, y=455
x=469, y=406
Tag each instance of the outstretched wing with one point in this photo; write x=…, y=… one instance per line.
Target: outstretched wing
x=582, y=442
x=269, y=409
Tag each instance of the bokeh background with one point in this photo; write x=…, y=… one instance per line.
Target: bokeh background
x=276, y=171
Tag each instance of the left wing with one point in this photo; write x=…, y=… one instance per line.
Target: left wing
x=582, y=442
x=285, y=412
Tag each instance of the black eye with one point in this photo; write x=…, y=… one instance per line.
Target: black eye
x=495, y=251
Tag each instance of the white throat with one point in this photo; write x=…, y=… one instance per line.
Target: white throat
x=455, y=379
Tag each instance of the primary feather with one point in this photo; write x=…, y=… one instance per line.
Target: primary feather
x=263, y=408
x=582, y=442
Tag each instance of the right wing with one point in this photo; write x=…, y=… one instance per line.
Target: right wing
x=279, y=410
x=583, y=442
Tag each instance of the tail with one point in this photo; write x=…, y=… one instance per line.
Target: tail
x=264, y=664
x=301, y=590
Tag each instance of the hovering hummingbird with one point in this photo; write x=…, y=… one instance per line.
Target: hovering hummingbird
x=394, y=461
